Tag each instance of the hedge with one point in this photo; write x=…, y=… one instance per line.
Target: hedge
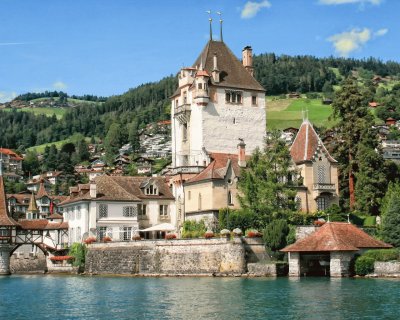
x=364, y=265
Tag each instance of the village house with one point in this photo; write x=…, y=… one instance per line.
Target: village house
x=12, y=162
x=217, y=102
x=118, y=207
x=318, y=171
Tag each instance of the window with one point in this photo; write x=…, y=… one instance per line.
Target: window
x=233, y=97
x=151, y=190
x=103, y=211
x=142, y=209
x=129, y=211
x=321, y=176
x=102, y=232
x=199, y=201
x=254, y=100
x=78, y=213
x=163, y=210
x=298, y=202
x=125, y=233
x=184, y=131
x=199, y=86
x=44, y=200
x=321, y=203
x=230, y=198
x=78, y=234
x=189, y=195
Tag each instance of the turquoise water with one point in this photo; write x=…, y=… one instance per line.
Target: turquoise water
x=75, y=297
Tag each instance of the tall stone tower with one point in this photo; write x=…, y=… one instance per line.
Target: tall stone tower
x=218, y=101
x=217, y=105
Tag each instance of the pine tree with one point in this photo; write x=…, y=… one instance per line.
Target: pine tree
x=355, y=151
x=390, y=231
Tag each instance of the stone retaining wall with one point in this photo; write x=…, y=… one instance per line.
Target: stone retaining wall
x=28, y=263
x=172, y=257
x=387, y=269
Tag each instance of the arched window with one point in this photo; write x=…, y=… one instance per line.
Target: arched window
x=230, y=198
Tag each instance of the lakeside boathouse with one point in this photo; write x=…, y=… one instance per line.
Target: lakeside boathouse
x=329, y=250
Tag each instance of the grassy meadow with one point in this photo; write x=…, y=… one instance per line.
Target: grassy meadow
x=284, y=113
x=47, y=111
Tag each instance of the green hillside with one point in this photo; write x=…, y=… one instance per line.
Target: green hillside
x=284, y=113
x=47, y=111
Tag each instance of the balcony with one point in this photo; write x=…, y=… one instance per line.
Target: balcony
x=182, y=108
x=187, y=169
x=328, y=187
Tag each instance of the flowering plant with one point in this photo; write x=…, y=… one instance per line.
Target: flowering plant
x=136, y=236
x=318, y=223
x=209, y=235
x=90, y=240
x=254, y=234
x=237, y=232
x=170, y=236
x=107, y=239
x=224, y=232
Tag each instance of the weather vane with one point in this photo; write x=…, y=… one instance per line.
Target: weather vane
x=220, y=23
x=210, y=19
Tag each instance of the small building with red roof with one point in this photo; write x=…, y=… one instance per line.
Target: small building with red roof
x=12, y=162
x=318, y=171
x=329, y=250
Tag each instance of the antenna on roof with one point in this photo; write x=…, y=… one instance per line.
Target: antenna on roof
x=220, y=24
x=210, y=19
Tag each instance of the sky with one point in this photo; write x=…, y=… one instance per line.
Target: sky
x=106, y=47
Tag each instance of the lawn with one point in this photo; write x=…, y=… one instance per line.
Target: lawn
x=286, y=113
x=40, y=148
x=48, y=111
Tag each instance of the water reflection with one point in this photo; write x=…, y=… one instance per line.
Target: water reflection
x=55, y=297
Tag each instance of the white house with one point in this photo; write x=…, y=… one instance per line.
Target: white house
x=119, y=206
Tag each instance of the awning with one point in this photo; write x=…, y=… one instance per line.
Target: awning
x=160, y=227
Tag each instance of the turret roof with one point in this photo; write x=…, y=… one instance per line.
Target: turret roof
x=5, y=219
x=32, y=204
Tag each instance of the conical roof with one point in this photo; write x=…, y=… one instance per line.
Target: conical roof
x=32, y=204
x=5, y=219
x=42, y=190
x=306, y=144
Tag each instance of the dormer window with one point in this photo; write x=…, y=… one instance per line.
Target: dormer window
x=151, y=190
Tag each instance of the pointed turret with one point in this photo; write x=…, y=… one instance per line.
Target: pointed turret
x=32, y=211
x=307, y=143
x=6, y=222
x=42, y=190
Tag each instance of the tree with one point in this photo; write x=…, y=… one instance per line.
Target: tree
x=390, y=230
x=133, y=131
x=112, y=142
x=355, y=149
x=30, y=164
x=266, y=183
x=275, y=234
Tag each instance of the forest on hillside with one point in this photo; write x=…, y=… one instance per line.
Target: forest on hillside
x=126, y=114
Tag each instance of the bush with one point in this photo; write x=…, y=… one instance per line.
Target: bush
x=275, y=234
x=364, y=265
x=231, y=219
x=193, y=229
x=78, y=251
x=382, y=254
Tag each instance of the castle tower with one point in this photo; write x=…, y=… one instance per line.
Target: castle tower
x=32, y=212
x=217, y=102
x=7, y=229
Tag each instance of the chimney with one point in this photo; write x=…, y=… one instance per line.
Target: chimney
x=247, y=59
x=93, y=189
x=241, y=153
x=215, y=71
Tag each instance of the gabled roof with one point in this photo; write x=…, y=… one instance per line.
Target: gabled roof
x=306, y=144
x=5, y=219
x=336, y=236
x=232, y=72
x=11, y=154
x=218, y=167
x=42, y=190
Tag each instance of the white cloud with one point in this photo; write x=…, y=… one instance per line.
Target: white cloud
x=11, y=43
x=59, y=85
x=349, y=41
x=251, y=8
x=362, y=2
x=381, y=32
x=7, y=96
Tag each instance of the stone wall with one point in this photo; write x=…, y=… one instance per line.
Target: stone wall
x=304, y=231
x=387, y=269
x=28, y=263
x=173, y=257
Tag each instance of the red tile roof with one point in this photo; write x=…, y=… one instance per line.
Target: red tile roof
x=218, y=167
x=336, y=236
x=42, y=224
x=5, y=219
x=306, y=144
x=11, y=154
x=42, y=190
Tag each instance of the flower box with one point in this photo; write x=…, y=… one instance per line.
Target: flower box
x=170, y=236
x=209, y=235
x=90, y=240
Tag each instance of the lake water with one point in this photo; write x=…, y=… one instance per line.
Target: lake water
x=78, y=297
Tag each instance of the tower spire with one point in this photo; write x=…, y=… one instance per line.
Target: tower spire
x=210, y=19
x=220, y=25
